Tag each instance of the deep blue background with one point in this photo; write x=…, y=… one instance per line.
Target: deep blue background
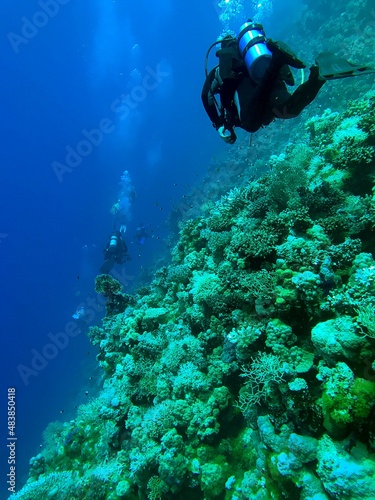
x=62, y=81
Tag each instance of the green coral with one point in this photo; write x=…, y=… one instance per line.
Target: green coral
x=112, y=291
x=348, y=406
x=205, y=288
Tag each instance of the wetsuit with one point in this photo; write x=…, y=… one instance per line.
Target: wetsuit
x=251, y=105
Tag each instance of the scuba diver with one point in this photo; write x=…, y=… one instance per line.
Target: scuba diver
x=122, y=208
x=116, y=251
x=121, y=218
x=141, y=234
x=251, y=80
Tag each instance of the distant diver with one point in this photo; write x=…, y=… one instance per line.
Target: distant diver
x=141, y=234
x=122, y=208
x=251, y=80
x=116, y=252
x=80, y=313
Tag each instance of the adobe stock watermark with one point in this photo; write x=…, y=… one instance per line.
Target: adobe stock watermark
x=122, y=107
x=31, y=26
x=57, y=342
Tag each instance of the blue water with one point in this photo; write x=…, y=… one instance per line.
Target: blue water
x=68, y=77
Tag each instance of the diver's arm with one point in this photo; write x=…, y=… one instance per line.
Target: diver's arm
x=209, y=101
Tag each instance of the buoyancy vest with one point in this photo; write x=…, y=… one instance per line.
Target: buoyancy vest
x=230, y=71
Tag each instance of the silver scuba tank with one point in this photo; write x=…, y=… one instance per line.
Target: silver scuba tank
x=113, y=241
x=252, y=46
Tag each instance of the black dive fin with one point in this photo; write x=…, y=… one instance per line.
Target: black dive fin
x=332, y=67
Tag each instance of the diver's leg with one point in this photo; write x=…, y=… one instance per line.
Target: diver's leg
x=282, y=58
x=107, y=266
x=289, y=106
x=254, y=98
x=249, y=108
x=284, y=54
x=254, y=107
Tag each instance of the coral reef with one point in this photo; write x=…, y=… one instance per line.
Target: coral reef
x=245, y=369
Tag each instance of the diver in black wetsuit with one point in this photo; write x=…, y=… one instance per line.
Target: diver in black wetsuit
x=252, y=77
x=116, y=252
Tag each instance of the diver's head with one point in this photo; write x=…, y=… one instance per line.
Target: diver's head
x=228, y=41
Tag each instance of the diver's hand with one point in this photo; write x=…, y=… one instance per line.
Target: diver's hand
x=228, y=135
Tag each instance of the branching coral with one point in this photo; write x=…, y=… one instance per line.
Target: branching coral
x=265, y=370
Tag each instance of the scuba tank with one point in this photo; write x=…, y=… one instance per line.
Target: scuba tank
x=113, y=241
x=252, y=46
